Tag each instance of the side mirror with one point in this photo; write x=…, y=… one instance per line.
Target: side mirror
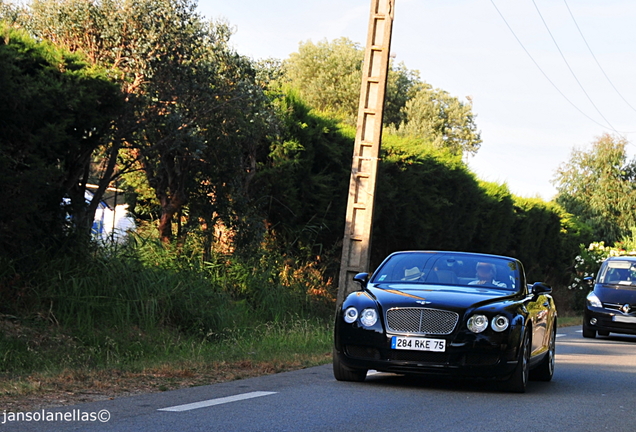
x=589, y=280
x=362, y=279
x=541, y=288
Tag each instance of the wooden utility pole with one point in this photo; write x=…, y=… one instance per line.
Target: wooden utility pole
x=358, y=226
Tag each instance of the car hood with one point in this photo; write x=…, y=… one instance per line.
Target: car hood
x=616, y=294
x=449, y=297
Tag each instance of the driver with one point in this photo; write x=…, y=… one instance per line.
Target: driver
x=486, y=273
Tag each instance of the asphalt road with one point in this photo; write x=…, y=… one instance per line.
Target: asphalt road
x=593, y=390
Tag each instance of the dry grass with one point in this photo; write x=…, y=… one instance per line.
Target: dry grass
x=70, y=387
x=63, y=374
x=570, y=320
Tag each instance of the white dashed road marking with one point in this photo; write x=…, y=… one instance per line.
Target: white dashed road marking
x=219, y=401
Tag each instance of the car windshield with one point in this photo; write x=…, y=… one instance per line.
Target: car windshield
x=617, y=272
x=449, y=269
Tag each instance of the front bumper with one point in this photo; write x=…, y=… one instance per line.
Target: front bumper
x=484, y=355
x=605, y=320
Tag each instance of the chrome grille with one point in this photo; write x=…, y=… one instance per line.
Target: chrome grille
x=421, y=320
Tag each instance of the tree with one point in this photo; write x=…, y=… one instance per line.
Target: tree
x=598, y=186
x=403, y=84
x=328, y=76
x=54, y=113
x=442, y=120
x=184, y=91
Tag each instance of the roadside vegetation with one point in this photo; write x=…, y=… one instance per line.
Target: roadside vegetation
x=141, y=316
x=236, y=172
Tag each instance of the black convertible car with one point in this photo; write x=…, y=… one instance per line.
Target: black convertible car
x=447, y=313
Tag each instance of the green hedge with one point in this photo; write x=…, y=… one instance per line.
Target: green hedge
x=428, y=199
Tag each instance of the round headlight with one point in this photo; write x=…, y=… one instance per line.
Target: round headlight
x=368, y=317
x=593, y=300
x=477, y=323
x=350, y=315
x=499, y=323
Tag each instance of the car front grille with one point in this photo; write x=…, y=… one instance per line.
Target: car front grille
x=619, y=306
x=421, y=321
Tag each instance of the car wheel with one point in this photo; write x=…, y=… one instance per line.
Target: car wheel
x=588, y=332
x=545, y=370
x=344, y=373
x=518, y=382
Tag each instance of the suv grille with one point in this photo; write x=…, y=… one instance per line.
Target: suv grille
x=421, y=320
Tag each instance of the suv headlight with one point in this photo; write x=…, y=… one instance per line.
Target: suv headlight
x=593, y=300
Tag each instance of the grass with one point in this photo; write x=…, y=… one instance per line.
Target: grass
x=568, y=320
x=155, y=317
x=138, y=362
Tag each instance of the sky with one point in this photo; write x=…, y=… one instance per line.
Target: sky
x=545, y=76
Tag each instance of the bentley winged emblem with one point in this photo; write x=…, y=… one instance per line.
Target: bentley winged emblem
x=422, y=302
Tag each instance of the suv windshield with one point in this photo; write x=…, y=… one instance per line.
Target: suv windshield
x=617, y=272
x=450, y=269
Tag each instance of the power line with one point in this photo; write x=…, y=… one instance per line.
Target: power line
x=570, y=68
x=542, y=71
x=594, y=57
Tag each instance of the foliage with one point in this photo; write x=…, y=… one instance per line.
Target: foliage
x=194, y=116
x=441, y=119
x=55, y=110
x=422, y=195
x=588, y=262
x=402, y=86
x=150, y=286
x=328, y=76
x=599, y=187
x=40, y=357
x=303, y=183
x=427, y=199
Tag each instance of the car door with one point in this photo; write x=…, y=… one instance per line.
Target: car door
x=539, y=313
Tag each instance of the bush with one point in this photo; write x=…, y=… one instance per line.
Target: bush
x=428, y=199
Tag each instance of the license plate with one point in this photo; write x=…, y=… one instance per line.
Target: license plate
x=624, y=319
x=418, y=344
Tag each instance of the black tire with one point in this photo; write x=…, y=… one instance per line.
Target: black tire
x=545, y=370
x=344, y=373
x=518, y=381
x=588, y=332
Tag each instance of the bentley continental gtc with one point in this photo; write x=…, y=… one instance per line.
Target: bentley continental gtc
x=455, y=314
